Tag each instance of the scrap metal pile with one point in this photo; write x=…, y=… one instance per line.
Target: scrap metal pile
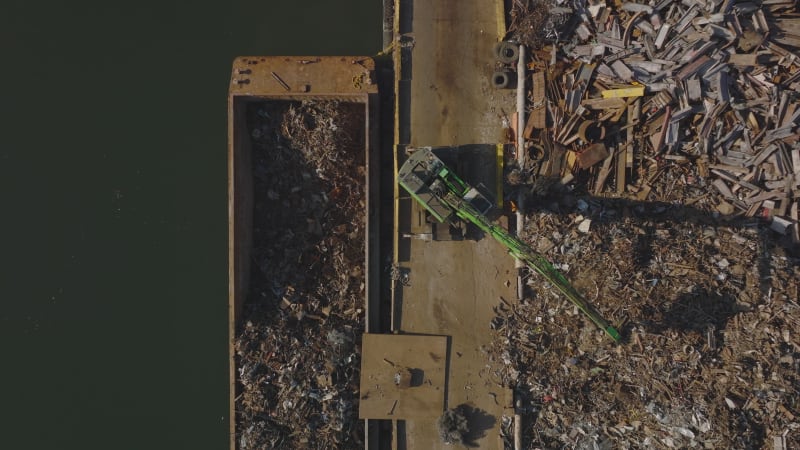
x=708, y=311
x=664, y=180
x=297, y=354
x=706, y=91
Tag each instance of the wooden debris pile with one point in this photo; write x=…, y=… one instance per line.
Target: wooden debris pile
x=705, y=90
x=710, y=355
x=297, y=353
x=664, y=180
x=532, y=23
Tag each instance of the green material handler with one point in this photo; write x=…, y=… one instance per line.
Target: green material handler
x=447, y=196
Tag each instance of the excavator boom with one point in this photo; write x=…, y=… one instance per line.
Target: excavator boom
x=444, y=195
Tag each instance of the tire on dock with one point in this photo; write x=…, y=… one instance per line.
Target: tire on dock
x=502, y=80
x=506, y=52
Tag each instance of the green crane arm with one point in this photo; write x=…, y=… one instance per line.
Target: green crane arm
x=522, y=251
x=442, y=192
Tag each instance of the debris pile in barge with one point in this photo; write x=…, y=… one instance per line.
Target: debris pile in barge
x=297, y=349
x=663, y=180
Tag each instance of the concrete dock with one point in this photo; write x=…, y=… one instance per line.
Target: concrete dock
x=444, y=61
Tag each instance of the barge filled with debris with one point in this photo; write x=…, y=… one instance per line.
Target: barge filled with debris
x=300, y=248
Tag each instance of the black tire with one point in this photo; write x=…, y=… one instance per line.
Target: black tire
x=506, y=52
x=501, y=80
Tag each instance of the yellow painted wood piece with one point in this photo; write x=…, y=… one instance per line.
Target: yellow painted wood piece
x=625, y=92
x=572, y=159
x=499, y=154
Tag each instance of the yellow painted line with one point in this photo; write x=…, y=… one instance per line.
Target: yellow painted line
x=625, y=92
x=397, y=72
x=500, y=15
x=499, y=175
x=396, y=188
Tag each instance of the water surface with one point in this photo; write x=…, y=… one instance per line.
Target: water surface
x=113, y=296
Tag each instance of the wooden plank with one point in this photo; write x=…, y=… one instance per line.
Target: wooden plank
x=729, y=168
x=725, y=176
x=743, y=60
x=694, y=89
x=539, y=110
x=662, y=35
x=637, y=112
x=691, y=69
x=575, y=95
x=625, y=92
x=622, y=70
x=622, y=154
x=603, y=175
x=658, y=140
x=604, y=103
x=592, y=155
x=723, y=188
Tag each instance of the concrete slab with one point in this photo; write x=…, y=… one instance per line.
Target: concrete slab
x=402, y=376
x=452, y=100
x=453, y=288
x=444, y=98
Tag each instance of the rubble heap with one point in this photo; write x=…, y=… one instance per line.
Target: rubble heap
x=704, y=90
x=453, y=426
x=532, y=23
x=709, y=317
x=297, y=352
x=664, y=180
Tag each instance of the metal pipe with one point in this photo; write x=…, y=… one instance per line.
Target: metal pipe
x=520, y=104
x=520, y=200
x=520, y=155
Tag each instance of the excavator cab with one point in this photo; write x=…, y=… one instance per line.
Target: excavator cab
x=478, y=200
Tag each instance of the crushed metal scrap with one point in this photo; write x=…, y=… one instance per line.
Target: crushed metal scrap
x=298, y=353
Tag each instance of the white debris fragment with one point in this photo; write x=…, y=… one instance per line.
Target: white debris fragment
x=584, y=226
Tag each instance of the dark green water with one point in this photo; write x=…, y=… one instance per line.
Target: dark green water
x=113, y=288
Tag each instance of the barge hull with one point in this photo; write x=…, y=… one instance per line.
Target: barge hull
x=349, y=79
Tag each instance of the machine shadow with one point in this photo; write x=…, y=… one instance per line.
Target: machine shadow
x=693, y=311
x=479, y=422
